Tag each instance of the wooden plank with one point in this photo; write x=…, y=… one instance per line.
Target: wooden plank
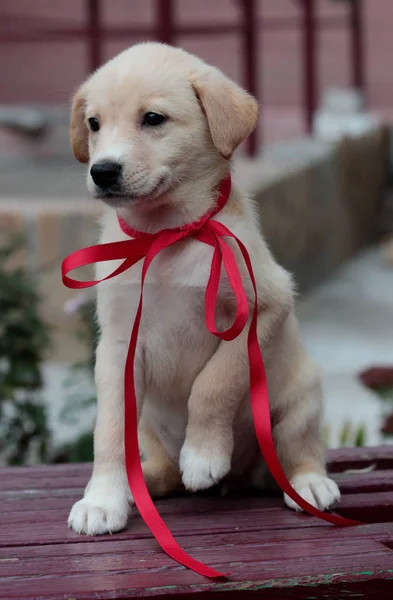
x=50, y=482
x=375, y=507
x=274, y=519
x=62, y=469
x=140, y=560
x=369, y=508
x=44, y=499
x=338, y=460
x=198, y=503
x=167, y=580
x=43, y=502
x=374, y=481
x=113, y=544
x=337, y=588
x=343, y=459
x=75, y=477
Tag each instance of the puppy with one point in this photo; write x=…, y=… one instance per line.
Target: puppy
x=158, y=127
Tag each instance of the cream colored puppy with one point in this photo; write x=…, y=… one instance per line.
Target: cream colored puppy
x=158, y=127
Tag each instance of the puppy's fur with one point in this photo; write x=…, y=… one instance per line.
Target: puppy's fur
x=195, y=424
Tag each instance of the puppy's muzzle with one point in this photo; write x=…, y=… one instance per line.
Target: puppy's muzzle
x=106, y=174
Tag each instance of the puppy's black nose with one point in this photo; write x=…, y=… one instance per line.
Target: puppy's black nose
x=105, y=174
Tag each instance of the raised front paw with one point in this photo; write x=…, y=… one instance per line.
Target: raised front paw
x=200, y=472
x=104, y=509
x=318, y=490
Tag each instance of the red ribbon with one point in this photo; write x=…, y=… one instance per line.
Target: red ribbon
x=147, y=246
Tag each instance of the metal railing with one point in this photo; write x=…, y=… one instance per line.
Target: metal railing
x=249, y=27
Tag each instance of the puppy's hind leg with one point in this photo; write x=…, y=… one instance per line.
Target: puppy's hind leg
x=296, y=414
x=162, y=474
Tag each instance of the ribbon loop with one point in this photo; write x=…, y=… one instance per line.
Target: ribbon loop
x=224, y=253
x=130, y=251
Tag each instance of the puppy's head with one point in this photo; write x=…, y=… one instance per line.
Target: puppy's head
x=153, y=118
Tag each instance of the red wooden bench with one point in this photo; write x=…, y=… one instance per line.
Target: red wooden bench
x=270, y=551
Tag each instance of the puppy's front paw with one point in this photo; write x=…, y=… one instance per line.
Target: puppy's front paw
x=201, y=472
x=318, y=490
x=104, y=509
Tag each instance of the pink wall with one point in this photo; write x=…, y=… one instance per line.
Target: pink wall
x=43, y=72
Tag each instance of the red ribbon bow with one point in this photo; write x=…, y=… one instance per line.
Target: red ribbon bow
x=147, y=246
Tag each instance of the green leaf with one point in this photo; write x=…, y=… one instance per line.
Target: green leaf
x=24, y=340
x=360, y=438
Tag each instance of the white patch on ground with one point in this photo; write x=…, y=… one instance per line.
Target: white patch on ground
x=57, y=394
x=347, y=326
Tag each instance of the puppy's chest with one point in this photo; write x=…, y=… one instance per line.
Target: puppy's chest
x=173, y=295
x=173, y=331
x=175, y=291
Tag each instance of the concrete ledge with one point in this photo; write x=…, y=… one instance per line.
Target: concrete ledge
x=320, y=202
x=317, y=202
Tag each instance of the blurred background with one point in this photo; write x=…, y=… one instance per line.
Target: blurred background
x=319, y=166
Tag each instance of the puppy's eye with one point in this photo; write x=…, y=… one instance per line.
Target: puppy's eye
x=153, y=119
x=94, y=124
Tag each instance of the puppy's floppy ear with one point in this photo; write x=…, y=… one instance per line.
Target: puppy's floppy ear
x=79, y=133
x=231, y=112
